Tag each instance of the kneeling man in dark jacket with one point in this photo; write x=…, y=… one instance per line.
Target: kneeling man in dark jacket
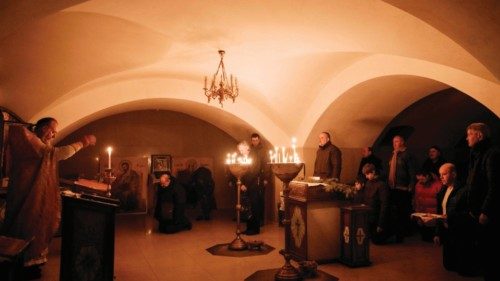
x=170, y=205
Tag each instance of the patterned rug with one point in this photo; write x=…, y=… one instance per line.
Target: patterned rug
x=223, y=250
x=268, y=274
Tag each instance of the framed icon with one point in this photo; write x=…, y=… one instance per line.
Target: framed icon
x=161, y=163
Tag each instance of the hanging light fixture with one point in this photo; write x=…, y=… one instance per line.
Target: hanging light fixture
x=220, y=87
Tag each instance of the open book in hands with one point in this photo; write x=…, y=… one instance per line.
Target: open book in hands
x=427, y=219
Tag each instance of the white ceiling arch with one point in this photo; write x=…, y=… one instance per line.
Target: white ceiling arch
x=80, y=60
x=436, y=77
x=90, y=103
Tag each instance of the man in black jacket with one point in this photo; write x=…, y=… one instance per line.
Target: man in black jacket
x=482, y=186
x=369, y=158
x=453, y=232
x=170, y=205
x=328, y=163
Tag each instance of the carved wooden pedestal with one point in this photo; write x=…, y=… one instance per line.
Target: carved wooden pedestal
x=315, y=223
x=355, y=236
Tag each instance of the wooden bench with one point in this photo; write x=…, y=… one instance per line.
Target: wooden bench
x=11, y=251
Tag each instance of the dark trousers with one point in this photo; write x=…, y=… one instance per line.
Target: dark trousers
x=378, y=238
x=401, y=208
x=253, y=223
x=261, y=203
x=460, y=247
x=174, y=223
x=205, y=199
x=427, y=233
x=450, y=253
x=489, y=247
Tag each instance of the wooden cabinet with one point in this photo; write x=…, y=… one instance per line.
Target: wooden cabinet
x=355, y=250
x=88, y=238
x=314, y=232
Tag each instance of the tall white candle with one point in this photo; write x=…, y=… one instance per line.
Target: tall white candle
x=109, y=156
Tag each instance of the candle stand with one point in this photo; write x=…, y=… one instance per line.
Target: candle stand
x=238, y=170
x=286, y=172
x=109, y=178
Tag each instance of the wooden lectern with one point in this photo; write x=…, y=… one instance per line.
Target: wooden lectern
x=314, y=223
x=88, y=238
x=355, y=250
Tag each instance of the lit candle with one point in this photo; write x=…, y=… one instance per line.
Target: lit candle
x=283, y=156
x=109, y=156
x=205, y=82
x=271, y=156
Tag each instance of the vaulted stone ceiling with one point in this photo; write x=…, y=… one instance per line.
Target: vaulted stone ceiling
x=303, y=66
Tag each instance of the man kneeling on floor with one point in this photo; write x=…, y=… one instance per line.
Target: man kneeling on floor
x=170, y=205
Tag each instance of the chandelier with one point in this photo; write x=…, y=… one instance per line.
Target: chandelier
x=220, y=87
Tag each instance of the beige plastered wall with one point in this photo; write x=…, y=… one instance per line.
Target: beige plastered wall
x=142, y=133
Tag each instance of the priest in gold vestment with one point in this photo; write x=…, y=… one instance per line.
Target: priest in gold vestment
x=33, y=210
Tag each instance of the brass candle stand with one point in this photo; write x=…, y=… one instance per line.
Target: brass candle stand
x=238, y=170
x=109, y=178
x=286, y=172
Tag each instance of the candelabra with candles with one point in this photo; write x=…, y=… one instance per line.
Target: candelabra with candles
x=109, y=177
x=238, y=167
x=286, y=172
x=283, y=155
x=286, y=165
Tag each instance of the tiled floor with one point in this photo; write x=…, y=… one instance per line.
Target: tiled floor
x=141, y=255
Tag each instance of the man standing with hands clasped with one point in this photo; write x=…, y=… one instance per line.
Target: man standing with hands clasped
x=482, y=187
x=264, y=173
x=401, y=182
x=328, y=162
